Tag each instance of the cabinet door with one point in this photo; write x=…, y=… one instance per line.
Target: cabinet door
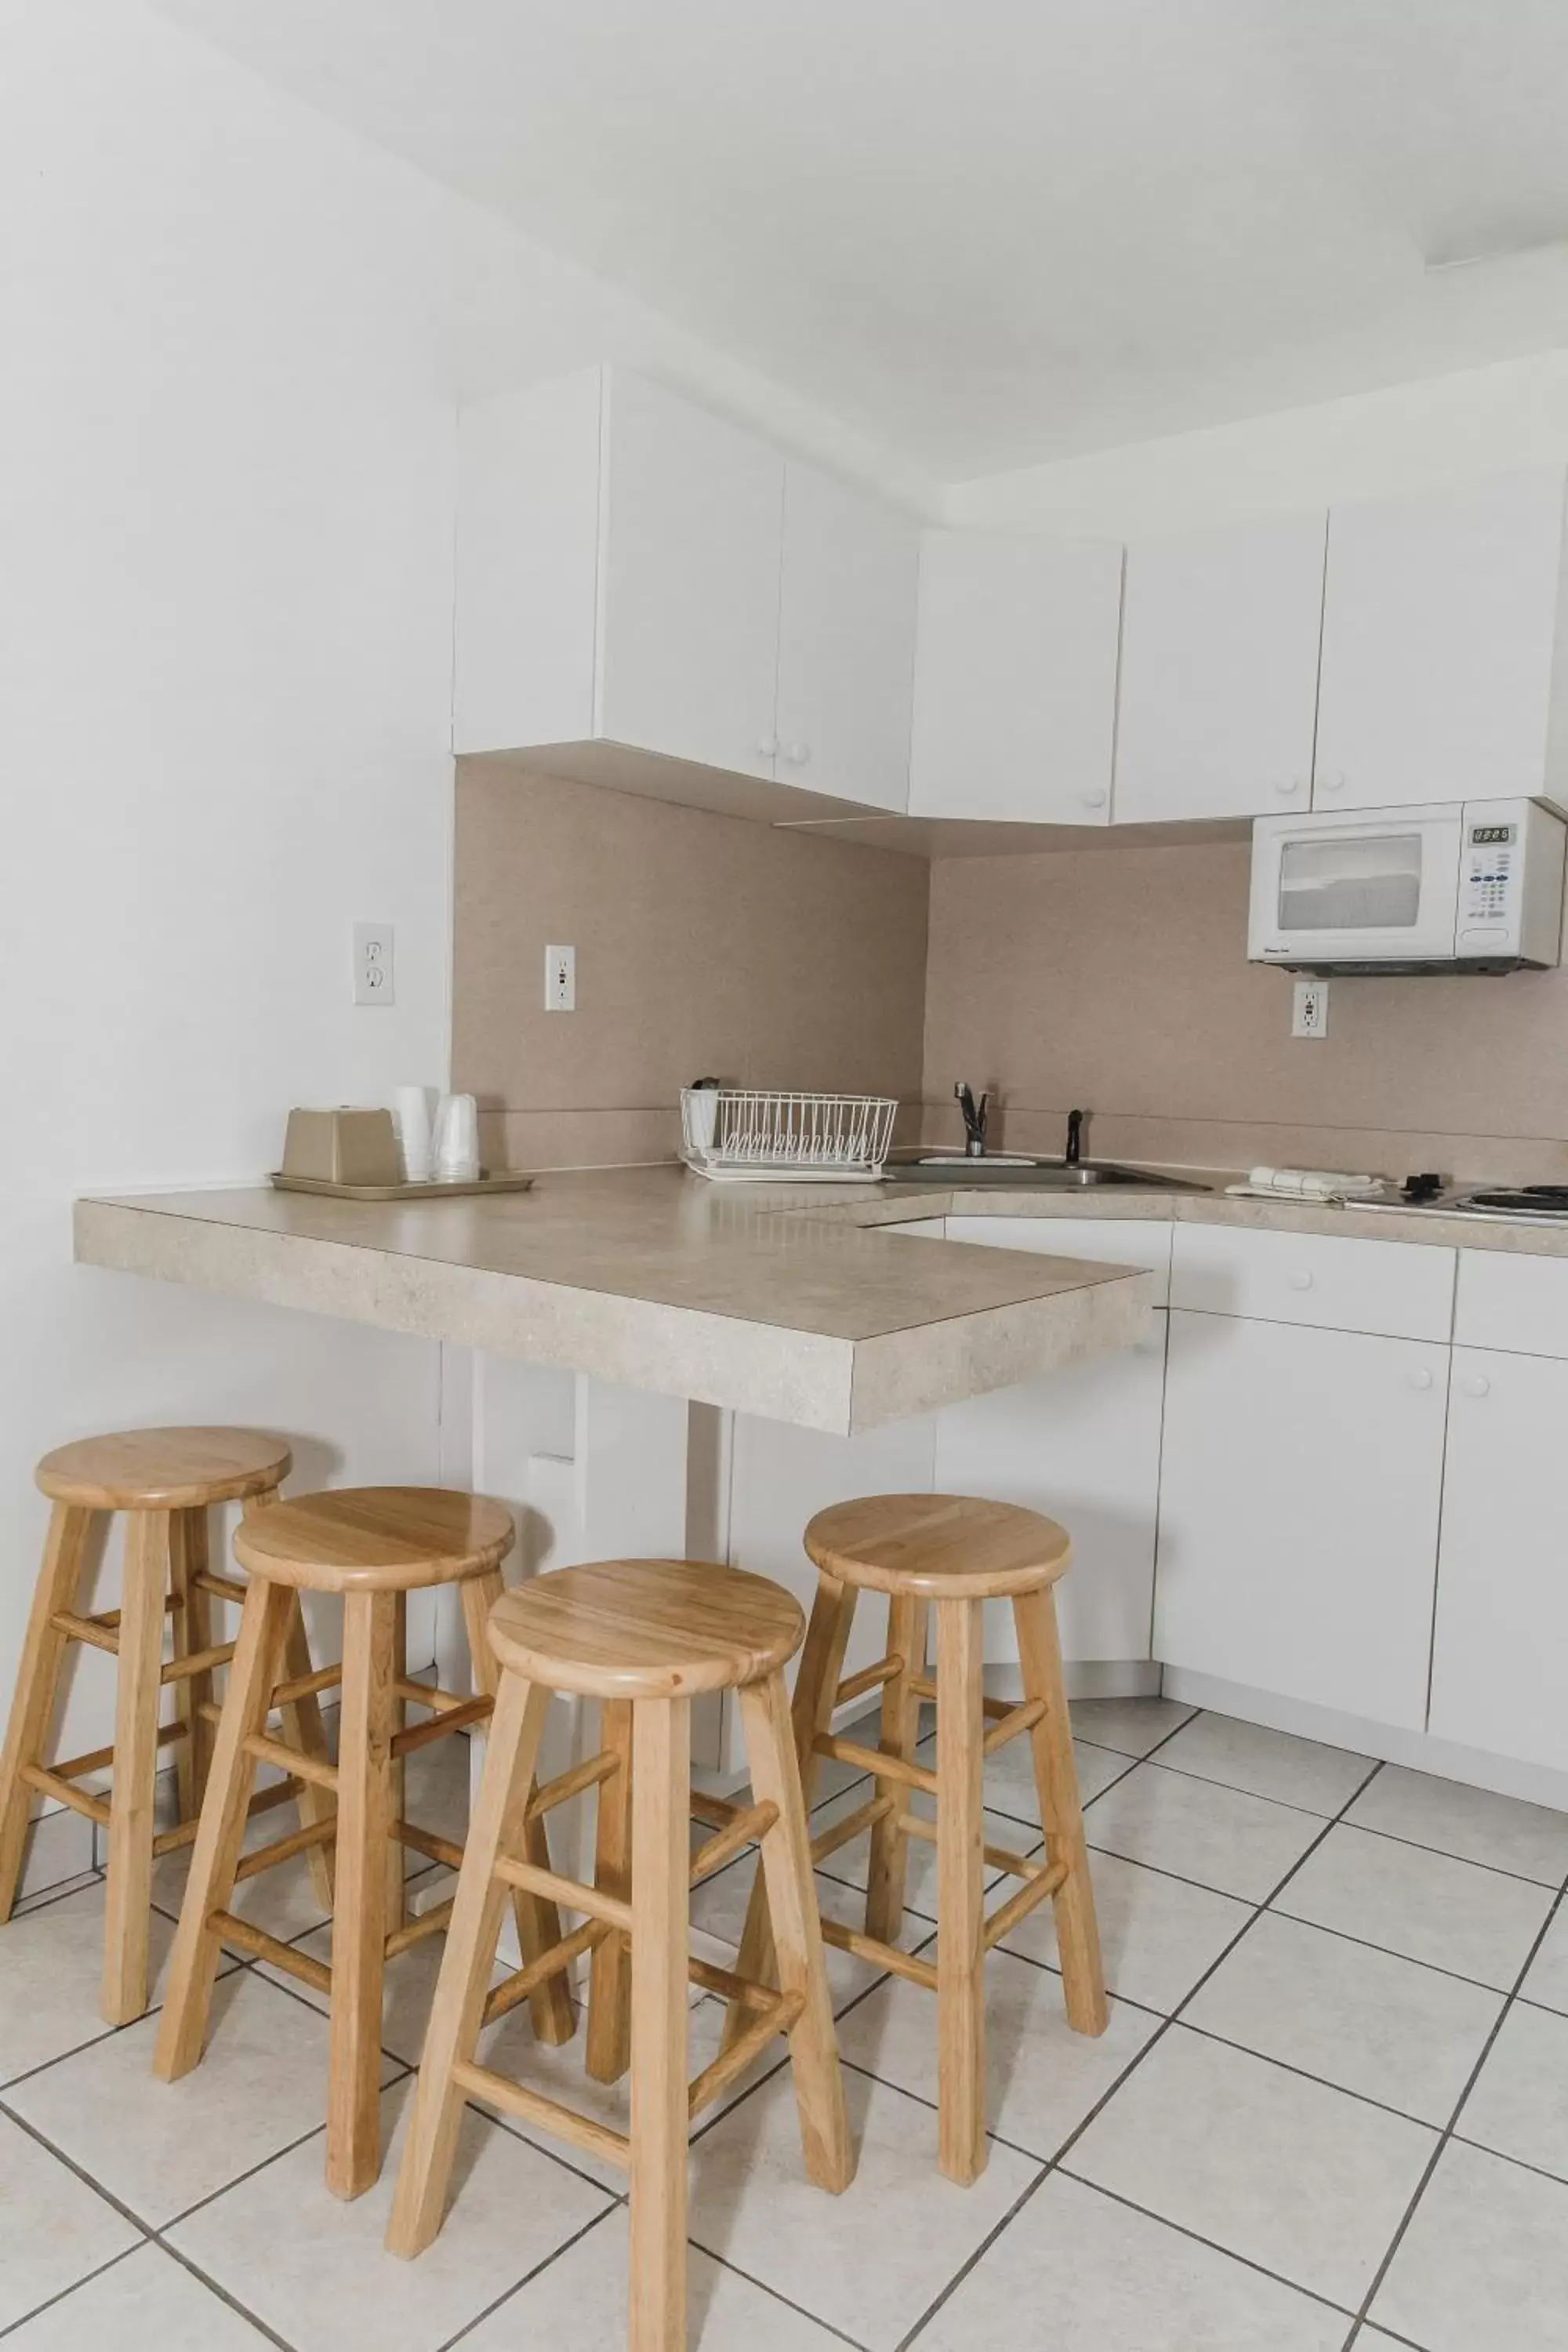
x=1298, y=1501
x=1439, y=629
x=1499, y=1673
x=1014, y=677
x=847, y=641
x=1218, y=691
x=690, y=537
x=1082, y=1444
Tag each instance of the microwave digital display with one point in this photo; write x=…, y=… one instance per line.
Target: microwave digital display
x=1483, y=835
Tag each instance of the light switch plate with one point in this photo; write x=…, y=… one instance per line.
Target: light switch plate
x=373, y=964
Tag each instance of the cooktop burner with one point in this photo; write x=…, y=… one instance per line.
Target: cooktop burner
x=1527, y=1201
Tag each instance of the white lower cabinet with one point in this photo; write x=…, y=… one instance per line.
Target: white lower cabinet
x=1298, y=1506
x=1082, y=1444
x=1500, y=1661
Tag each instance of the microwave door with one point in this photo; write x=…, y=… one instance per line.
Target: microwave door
x=1380, y=890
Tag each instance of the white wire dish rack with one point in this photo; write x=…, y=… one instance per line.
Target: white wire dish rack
x=740, y=1135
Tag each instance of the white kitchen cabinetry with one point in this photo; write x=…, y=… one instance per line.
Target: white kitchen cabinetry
x=1443, y=645
x=647, y=596
x=1299, y=1502
x=1402, y=1289
x=1500, y=1659
x=1218, y=700
x=847, y=641
x=1015, y=652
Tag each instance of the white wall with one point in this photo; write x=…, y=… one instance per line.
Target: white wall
x=1411, y=438
x=233, y=340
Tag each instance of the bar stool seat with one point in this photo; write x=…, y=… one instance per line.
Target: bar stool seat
x=164, y=1481
x=951, y=1553
x=373, y=1546
x=164, y=1469
x=673, y=1630
x=643, y=1637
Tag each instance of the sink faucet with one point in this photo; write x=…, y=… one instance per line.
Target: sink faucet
x=1075, y=1136
x=973, y=1115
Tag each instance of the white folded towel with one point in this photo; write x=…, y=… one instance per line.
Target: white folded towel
x=1311, y=1184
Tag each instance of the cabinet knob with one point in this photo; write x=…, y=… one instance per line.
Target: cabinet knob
x=1287, y=786
x=767, y=747
x=1476, y=1384
x=1335, y=784
x=1092, y=800
x=798, y=754
x=1421, y=1378
x=1301, y=1280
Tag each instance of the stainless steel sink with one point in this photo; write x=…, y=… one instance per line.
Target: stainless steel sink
x=1037, y=1175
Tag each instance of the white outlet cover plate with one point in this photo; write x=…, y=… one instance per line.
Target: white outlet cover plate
x=560, y=980
x=374, y=978
x=1310, y=1009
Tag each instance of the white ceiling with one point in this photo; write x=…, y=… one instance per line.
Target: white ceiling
x=988, y=232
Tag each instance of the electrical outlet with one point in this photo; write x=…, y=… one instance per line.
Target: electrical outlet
x=560, y=980
x=1310, y=1014
x=373, y=964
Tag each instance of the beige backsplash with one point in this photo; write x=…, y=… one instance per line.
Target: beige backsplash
x=1116, y=978
x=1113, y=978
x=705, y=944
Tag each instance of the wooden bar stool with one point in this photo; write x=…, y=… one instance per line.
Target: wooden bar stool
x=373, y=1546
x=644, y=1636
x=164, y=1481
x=953, y=1553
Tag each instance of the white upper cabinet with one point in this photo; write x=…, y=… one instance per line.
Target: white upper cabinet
x=846, y=642
x=691, y=533
x=1219, y=672
x=638, y=577
x=1014, y=679
x=1442, y=646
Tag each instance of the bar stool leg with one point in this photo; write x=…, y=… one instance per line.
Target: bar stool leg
x=497, y=1827
x=961, y=1906
x=661, y=1859
x=537, y=1922
x=31, y=1719
x=366, y=1817
x=609, y=1968
x=816, y=1695
x=191, y=1634
x=786, y=1865
x=900, y=1737
x=392, y=1856
x=302, y=1719
x=1061, y=1818
x=182, y=2028
x=138, y=1690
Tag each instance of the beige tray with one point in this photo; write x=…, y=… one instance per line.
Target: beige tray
x=502, y=1182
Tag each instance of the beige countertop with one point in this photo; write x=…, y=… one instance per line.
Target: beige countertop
x=789, y=1300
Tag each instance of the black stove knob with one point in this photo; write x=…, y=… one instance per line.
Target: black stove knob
x=1425, y=1187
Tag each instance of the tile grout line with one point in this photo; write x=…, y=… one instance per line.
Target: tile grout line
x=1184, y=2230
x=1448, y=2132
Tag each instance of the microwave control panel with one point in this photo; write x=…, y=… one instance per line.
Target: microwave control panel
x=1491, y=860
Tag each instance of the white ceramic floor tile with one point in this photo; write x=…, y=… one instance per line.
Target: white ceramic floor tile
x=1083, y=2273
x=1133, y=1725
x=580, y=2300
x=53, y=2229
x=1519, y=2104
x=718, y=1915
x=1427, y=1905
x=852, y=1863
x=868, y=2262
x=1474, y=1823
x=1237, y=1845
x=1010, y=1777
x=315, y=2270
x=160, y=2146
x=1483, y=2266
x=1281, y=2170
x=51, y=1961
x=1548, y=1979
x=1042, y=2078
x=147, y=2299
x=1157, y=1935
x=1366, y=2020
x=1268, y=1763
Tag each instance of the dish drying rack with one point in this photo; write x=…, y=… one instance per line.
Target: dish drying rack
x=740, y=1135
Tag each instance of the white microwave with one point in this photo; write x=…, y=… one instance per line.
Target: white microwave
x=1473, y=885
